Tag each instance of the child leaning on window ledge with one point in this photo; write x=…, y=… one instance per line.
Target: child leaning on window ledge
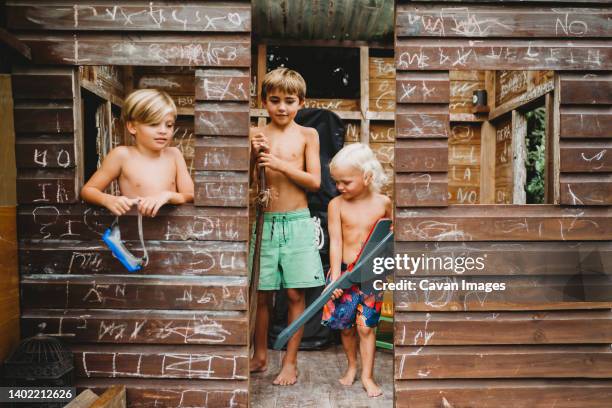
x=151, y=173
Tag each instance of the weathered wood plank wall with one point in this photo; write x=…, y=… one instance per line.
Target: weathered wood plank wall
x=545, y=340
x=174, y=333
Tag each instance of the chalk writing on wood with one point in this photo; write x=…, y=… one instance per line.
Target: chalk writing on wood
x=514, y=54
x=154, y=17
x=83, y=49
x=486, y=21
x=188, y=363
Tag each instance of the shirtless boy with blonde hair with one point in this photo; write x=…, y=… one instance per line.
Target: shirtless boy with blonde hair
x=359, y=177
x=289, y=256
x=150, y=173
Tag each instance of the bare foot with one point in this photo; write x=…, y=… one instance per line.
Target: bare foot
x=371, y=387
x=257, y=365
x=349, y=376
x=287, y=376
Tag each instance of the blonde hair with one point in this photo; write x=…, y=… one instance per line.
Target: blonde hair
x=147, y=106
x=362, y=158
x=285, y=80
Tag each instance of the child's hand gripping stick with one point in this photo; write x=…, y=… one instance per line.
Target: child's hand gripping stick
x=379, y=243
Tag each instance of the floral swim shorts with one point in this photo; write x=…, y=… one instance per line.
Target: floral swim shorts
x=353, y=307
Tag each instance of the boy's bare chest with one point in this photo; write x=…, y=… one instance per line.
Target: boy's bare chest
x=361, y=217
x=288, y=149
x=149, y=173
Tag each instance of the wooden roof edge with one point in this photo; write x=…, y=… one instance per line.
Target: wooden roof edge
x=14, y=43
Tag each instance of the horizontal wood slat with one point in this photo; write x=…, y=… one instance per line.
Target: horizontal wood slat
x=503, y=223
x=502, y=20
x=127, y=49
x=196, y=258
x=185, y=361
x=578, y=122
x=476, y=293
x=221, y=189
x=43, y=86
x=421, y=189
x=445, y=362
x=586, y=189
x=221, y=153
x=418, y=88
x=434, y=54
x=172, y=223
x=578, y=157
x=53, y=186
x=221, y=119
x=138, y=326
x=503, y=393
x=232, y=16
x=134, y=292
x=449, y=328
x=421, y=156
x=51, y=118
x=175, y=393
x=505, y=258
x=422, y=121
x=585, y=88
x=222, y=85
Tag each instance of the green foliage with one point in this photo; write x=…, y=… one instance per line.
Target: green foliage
x=535, y=162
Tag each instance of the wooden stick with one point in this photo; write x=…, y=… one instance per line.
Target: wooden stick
x=260, y=205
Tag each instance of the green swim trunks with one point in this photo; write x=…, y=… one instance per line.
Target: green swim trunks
x=289, y=254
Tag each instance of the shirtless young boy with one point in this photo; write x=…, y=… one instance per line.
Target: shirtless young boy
x=350, y=218
x=289, y=257
x=150, y=173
